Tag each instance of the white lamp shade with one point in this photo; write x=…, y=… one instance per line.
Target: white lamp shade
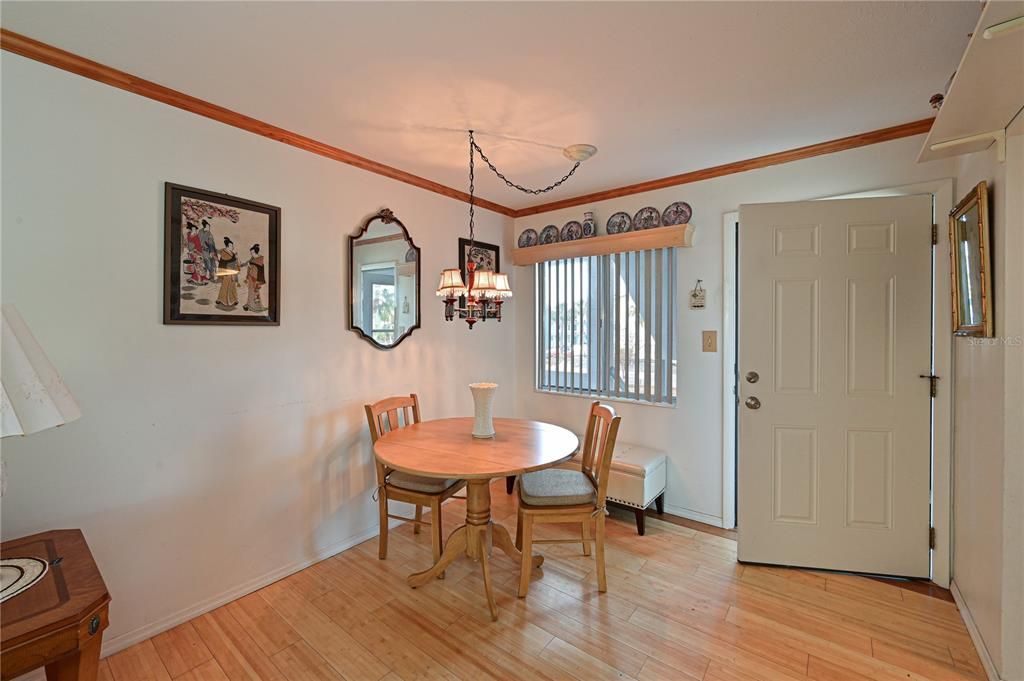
x=483, y=282
x=34, y=396
x=501, y=288
x=451, y=285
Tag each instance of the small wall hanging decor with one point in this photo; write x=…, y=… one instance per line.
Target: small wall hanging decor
x=221, y=259
x=698, y=296
x=484, y=256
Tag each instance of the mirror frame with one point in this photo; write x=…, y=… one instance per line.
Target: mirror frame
x=978, y=197
x=388, y=218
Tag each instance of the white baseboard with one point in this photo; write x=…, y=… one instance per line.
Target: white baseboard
x=694, y=515
x=118, y=643
x=972, y=629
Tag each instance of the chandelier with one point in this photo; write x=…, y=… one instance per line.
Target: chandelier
x=481, y=295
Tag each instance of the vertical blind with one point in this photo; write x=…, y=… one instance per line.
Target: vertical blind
x=606, y=325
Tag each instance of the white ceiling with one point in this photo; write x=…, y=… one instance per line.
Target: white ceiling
x=660, y=88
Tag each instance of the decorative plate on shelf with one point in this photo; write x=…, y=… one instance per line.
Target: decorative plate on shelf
x=528, y=238
x=589, y=225
x=647, y=218
x=676, y=214
x=571, y=231
x=620, y=222
x=549, y=235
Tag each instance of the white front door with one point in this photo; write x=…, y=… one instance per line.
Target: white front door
x=834, y=419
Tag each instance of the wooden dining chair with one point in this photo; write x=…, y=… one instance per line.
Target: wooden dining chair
x=556, y=495
x=384, y=416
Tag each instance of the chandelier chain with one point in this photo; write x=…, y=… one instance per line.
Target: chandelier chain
x=483, y=302
x=472, y=144
x=510, y=183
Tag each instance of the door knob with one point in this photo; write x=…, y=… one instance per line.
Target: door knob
x=752, y=403
x=752, y=377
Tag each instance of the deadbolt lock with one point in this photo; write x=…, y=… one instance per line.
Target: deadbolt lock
x=752, y=377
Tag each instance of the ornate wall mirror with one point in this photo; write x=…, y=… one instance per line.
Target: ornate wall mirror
x=971, y=265
x=384, y=281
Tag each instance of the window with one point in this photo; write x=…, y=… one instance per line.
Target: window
x=606, y=326
x=379, y=301
x=384, y=313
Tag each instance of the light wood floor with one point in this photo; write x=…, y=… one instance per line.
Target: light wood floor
x=678, y=607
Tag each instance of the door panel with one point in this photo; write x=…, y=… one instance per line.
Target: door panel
x=795, y=307
x=869, y=336
x=835, y=317
x=795, y=475
x=869, y=479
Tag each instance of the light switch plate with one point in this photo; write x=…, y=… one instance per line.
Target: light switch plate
x=709, y=341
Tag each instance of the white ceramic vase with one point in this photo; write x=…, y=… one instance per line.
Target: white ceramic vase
x=483, y=403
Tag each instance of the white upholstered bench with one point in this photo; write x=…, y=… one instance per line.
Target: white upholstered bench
x=637, y=479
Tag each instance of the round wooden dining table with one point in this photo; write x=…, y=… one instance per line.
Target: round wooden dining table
x=446, y=448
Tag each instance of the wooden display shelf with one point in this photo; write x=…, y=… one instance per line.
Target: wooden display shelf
x=642, y=240
x=987, y=90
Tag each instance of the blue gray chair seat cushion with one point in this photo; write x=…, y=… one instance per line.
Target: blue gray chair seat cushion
x=556, y=487
x=419, y=483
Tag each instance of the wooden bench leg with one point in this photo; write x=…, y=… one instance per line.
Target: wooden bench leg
x=659, y=503
x=640, y=526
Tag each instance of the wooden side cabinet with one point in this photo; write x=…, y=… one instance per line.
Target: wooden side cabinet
x=58, y=623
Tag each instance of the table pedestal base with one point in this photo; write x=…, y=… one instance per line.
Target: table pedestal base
x=475, y=540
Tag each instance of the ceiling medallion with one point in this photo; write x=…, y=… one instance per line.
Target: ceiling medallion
x=485, y=290
x=579, y=152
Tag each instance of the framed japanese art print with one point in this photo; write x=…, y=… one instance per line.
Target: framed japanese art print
x=486, y=257
x=222, y=259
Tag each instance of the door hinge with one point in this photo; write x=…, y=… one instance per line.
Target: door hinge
x=933, y=383
x=935, y=234
x=931, y=537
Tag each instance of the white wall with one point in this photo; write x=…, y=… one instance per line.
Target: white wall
x=1013, y=410
x=208, y=458
x=988, y=471
x=692, y=432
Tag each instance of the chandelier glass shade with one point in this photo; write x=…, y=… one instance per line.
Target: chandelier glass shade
x=480, y=296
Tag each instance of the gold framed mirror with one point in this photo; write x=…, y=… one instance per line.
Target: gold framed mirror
x=971, y=265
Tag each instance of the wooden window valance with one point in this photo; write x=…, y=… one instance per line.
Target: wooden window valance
x=659, y=237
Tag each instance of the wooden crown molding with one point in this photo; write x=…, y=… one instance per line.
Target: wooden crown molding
x=61, y=59
x=67, y=61
x=842, y=144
